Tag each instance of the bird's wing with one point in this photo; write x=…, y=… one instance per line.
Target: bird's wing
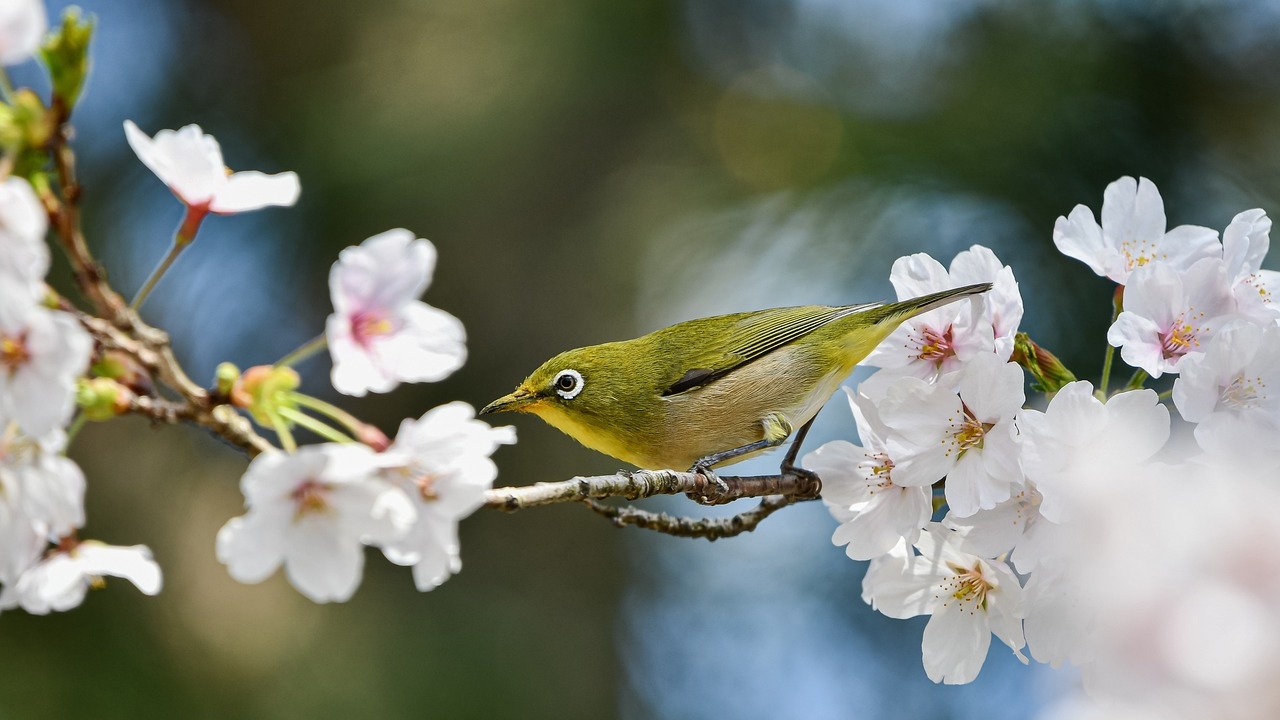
x=756, y=335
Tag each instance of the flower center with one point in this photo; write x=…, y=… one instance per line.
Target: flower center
x=13, y=352
x=936, y=346
x=1244, y=393
x=969, y=433
x=426, y=483
x=1255, y=281
x=1138, y=253
x=311, y=496
x=368, y=326
x=879, y=468
x=968, y=586
x=1182, y=336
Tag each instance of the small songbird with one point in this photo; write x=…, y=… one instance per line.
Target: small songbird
x=712, y=391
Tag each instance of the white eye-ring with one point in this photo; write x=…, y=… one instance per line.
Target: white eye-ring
x=568, y=384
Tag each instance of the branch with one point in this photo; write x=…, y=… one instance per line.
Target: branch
x=708, y=490
x=709, y=528
x=65, y=217
x=778, y=491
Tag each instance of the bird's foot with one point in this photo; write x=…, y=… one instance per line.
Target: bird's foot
x=810, y=477
x=714, y=490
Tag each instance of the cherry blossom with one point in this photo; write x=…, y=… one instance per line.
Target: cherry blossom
x=1171, y=312
x=190, y=163
x=967, y=598
x=24, y=254
x=968, y=437
x=1014, y=527
x=441, y=461
x=858, y=489
x=313, y=511
x=1244, y=245
x=23, y=24
x=380, y=334
x=937, y=343
x=1079, y=446
x=1132, y=233
x=1232, y=391
x=42, y=352
x=61, y=580
x=44, y=486
x=1059, y=617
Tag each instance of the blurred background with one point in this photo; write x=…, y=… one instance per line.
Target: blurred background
x=591, y=170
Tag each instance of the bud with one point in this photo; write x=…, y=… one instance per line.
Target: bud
x=225, y=377
x=102, y=398
x=124, y=369
x=25, y=122
x=66, y=53
x=264, y=388
x=1048, y=371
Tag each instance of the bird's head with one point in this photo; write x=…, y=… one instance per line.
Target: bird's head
x=569, y=384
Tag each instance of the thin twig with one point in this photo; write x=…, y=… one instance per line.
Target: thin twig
x=709, y=528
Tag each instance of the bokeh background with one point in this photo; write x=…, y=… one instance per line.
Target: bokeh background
x=591, y=170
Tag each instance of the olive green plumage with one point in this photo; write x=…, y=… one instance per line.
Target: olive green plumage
x=677, y=395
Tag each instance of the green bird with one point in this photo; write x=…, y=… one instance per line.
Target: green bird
x=713, y=391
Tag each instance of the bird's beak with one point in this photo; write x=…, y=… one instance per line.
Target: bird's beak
x=507, y=403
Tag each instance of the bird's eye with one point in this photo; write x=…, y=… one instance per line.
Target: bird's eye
x=568, y=384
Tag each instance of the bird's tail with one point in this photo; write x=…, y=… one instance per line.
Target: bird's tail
x=894, y=313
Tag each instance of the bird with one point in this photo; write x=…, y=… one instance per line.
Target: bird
x=713, y=391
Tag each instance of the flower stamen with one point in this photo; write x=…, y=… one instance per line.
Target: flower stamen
x=13, y=352
x=311, y=496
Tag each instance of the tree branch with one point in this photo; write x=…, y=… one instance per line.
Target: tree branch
x=778, y=491
x=709, y=528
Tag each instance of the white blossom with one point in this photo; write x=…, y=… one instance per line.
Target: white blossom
x=1059, y=617
x=858, y=489
x=61, y=580
x=1232, y=391
x=313, y=511
x=24, y=254
x=1244, y=245
x=1132, y=233
x=967, y=598
x=1171, y=312
x=968, y=437
x=1079, y=446
x=23, y=24
x=190, y=163
x=937, y=343
x=441, y=461
x=1014, y=527
x=380, y=334
x=42, y=352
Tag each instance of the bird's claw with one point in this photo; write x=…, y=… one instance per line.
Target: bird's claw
x=808, y=475
x=715, y=489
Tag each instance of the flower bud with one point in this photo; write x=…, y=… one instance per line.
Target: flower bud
x=1048, y=371
x=66, y=53
x=124, y=369
x=264, y=388
x=225, y=377
x=102, y=398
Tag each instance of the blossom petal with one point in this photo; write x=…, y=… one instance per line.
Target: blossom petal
x=955, y=645
x=252, y=546
x=322, y=564
x=134, y=564
x=253, y=190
